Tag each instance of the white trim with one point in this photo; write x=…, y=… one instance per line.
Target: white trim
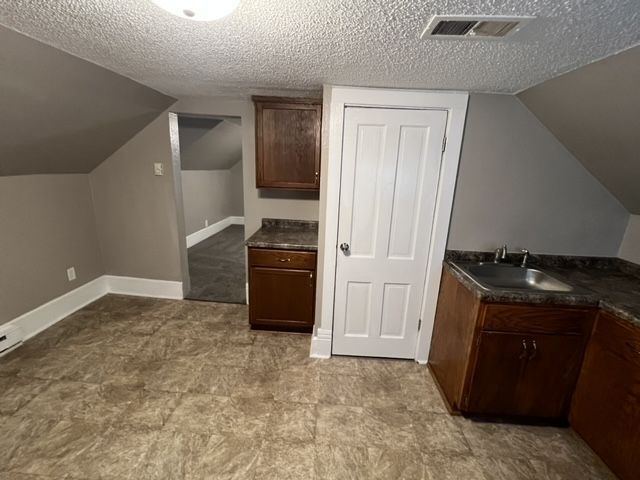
x=321, y=343
x=46, y=315
x=144, y=287
x=455, y=103
x=200, y=235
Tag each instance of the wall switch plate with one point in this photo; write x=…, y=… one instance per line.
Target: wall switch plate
x=158, y=169
x=71, y=274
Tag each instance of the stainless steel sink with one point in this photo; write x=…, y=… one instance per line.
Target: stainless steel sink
x=503, y=276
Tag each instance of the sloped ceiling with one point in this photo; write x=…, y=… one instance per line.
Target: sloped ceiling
x=301, y=44
x=595, y=112
x=209, y=144
x=62, y=114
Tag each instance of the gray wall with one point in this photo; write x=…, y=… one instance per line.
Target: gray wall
x=211, y=195
x=258, y=204
x=135, y=210
x=630, y=248
x=62, y=114
x=518, y=185
x=47, y=225
x=593, y=111
x=236, y=181
x=218, y=149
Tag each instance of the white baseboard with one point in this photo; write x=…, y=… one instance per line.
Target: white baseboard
x=46, y=315
x=321, y=344
x=144, y=287
x=42, y=317
x=200, y=235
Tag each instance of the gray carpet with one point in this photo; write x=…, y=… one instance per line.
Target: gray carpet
x=217, y=267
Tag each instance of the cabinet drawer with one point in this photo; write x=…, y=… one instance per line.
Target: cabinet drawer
x=265, y=257
x=538, y=319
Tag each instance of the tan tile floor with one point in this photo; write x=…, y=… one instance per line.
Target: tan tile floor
x=134, y=388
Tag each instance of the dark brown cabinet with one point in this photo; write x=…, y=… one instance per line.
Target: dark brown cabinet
x=606, y=404
x=510, y=360
x=282, y=289
x=288, y=143
x=524, y=375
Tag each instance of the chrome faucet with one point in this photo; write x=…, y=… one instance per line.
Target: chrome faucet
x=501, y=254
x=525, y=258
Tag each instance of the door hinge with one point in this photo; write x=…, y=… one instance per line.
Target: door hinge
x=444, y=143
x=419, y=324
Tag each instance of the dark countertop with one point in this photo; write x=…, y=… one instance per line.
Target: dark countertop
x=610, y=283
x=286, y=235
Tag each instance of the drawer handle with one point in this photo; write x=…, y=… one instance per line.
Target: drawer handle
x=285, y=259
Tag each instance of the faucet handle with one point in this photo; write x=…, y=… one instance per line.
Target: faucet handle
x=525, y=257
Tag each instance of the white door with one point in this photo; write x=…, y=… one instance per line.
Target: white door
x=390, y=168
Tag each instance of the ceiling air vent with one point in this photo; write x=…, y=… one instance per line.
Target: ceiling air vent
x=465, y=26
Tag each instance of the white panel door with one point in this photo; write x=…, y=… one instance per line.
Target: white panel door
x=390, y=169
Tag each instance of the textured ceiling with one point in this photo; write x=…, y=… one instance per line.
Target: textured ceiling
x=594, y=112
x=301, y=44
x=61, y=114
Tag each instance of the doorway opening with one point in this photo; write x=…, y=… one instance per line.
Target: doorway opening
x=213, y=203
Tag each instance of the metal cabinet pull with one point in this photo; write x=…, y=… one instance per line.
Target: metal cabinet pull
x=534, y=353
x=523, y=354
x=285, y=259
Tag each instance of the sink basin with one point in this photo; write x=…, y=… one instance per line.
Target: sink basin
x=502, y=276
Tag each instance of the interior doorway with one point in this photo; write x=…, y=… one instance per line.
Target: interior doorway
x=212, y=194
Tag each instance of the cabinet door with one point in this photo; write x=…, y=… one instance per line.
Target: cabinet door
x=524, y=375
x=281, y=297
x=288, y=145
x=606, y=405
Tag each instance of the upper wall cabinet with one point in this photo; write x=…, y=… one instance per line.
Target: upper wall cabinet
x=288, y=142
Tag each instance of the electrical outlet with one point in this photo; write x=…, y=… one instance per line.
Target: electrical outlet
x=158, y=169
x=71, y=274
x=206, y=223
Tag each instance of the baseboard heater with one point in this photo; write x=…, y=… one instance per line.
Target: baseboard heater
x=10, y=338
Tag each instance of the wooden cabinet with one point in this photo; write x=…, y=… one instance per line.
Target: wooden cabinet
x=606, y=404
x=519, y=375
x=288, y=143
x=510, y=360
x=282, y=289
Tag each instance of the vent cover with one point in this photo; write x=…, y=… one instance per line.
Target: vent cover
x=465, y=26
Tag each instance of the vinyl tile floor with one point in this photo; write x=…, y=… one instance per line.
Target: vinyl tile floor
x=217, y=267
x=137, y=388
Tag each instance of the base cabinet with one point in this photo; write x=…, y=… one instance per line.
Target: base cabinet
x=606, y=405
x=507, y=360
x=524, y=375
x=282, y=289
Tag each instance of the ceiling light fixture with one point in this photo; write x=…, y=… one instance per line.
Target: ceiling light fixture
x=200, y=10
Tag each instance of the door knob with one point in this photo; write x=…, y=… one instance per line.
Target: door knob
x=344, y=247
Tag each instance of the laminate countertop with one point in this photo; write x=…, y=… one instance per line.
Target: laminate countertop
x=285, y=235
x=611, y=284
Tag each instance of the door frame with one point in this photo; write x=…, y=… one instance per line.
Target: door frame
x=336, y=99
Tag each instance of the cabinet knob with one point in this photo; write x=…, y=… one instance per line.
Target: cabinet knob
x=344, y=247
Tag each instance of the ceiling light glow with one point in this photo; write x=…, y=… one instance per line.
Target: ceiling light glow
x=200, y=10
